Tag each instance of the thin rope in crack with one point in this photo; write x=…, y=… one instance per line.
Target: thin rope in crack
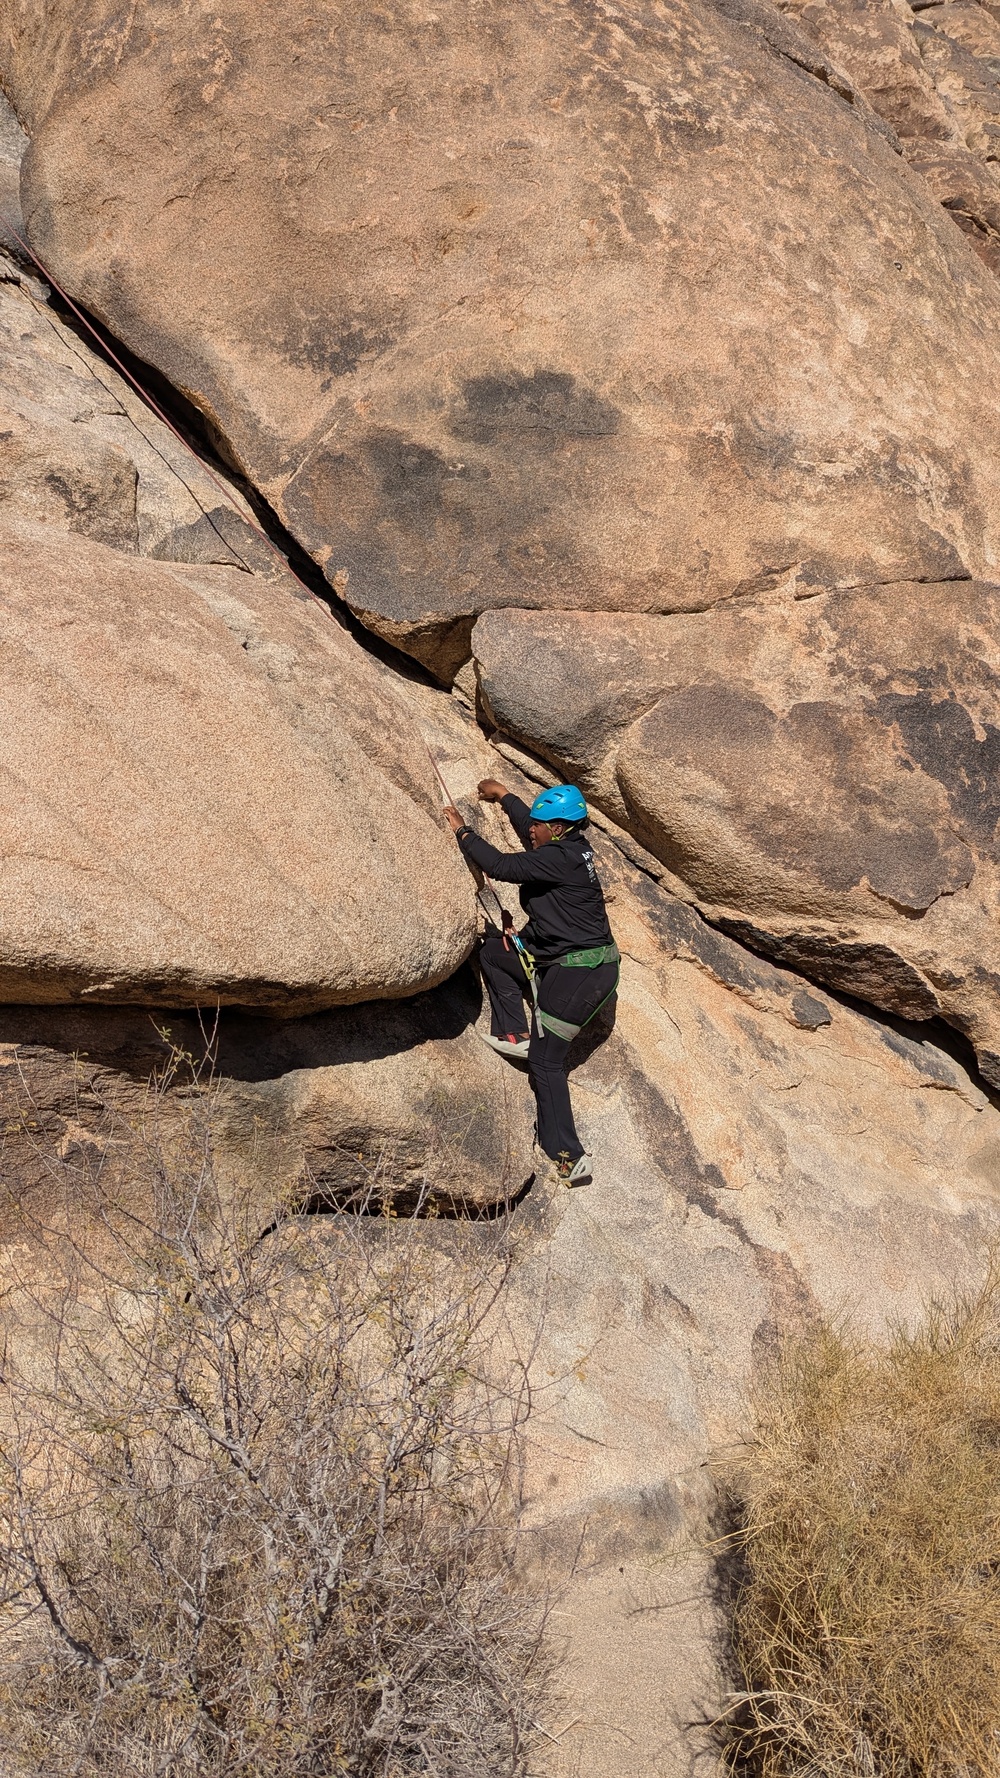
x=224, y=489
x=121, y=412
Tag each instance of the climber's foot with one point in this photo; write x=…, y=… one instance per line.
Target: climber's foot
x=570, y=1172
x=510, y=1044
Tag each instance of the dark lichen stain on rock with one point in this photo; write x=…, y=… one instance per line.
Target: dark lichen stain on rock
x=810, y=1013
x=869, y=971
x=849, y=833
x=542, y=409
x=317, y=343
x=413, y=478
x=698, y=720
x=940, y=737
x=684, y=933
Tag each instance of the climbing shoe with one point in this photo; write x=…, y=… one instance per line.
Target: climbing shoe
x=510, y=1045
x=572, y=1173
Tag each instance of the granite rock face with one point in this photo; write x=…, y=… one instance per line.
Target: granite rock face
x=660, y=1293
x=821, y=775
x=624, y=354
x=764, y=1154
x=188, y=823
x=78, y=448
x=650, y=317
x=931, y=72
x=372, y=1106
x=545, y=306
x=170, y=838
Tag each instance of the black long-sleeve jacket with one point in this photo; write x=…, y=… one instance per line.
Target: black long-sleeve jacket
x=560, y=892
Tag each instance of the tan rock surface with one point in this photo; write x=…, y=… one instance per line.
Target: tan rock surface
x=387, y=1103
x=869, y=1166
x=821, y=775
x=181, y=896
x=763, y=1152
x=761, y=1149
x=933, y=73
x=78, y=448
x=551, y=307
x=508, y=314
x=790, y=427
x=169, y=837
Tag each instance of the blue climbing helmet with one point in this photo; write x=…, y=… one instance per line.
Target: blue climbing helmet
x=564, y=802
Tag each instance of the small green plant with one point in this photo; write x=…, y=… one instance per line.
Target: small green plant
x=867, y=1616
x=256, y=1490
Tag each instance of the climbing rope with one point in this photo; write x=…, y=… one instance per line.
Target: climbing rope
x=482, y=880
x=544, y=1021
x=145, y=396
x=223, y=487
x=506, y=919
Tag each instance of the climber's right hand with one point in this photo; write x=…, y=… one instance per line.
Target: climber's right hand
x=492, y=791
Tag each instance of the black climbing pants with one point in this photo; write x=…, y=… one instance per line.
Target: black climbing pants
x=570, y=994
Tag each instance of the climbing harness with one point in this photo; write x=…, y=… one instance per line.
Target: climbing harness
x=528, y=965
x=591, y=959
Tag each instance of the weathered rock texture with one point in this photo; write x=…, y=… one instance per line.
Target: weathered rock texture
x=376, y=1106
x=821, y=774
x=659, y=1292
x=624, y=351
x=187, y=821
x=170, y=835
x=623, y=313
x=930, y=70
x=765, y=1153
x=80, y=451
x=536, y=305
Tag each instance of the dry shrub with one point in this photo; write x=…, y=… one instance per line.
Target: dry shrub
x=255, y=1491
x=867, y=1623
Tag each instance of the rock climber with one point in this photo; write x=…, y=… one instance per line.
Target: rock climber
x=564, y=962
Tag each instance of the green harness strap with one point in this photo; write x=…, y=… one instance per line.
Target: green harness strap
x=591, y=959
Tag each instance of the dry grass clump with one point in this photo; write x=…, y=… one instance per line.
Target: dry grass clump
x=867, y=1624
x=255, y=1492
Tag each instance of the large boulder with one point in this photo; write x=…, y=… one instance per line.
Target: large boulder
x=822, y=775
x=555, y=306
x=202, y=751
x=171, y=836
x=375, y=1107
x=79, y=449
x=505, y=316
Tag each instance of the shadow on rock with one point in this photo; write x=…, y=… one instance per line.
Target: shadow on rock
x=246, y=1046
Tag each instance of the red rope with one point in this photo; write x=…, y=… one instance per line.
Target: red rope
x=219, y=483
x=506, y=916
x=224, y=489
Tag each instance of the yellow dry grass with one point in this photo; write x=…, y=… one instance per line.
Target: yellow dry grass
x=867, y=1620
